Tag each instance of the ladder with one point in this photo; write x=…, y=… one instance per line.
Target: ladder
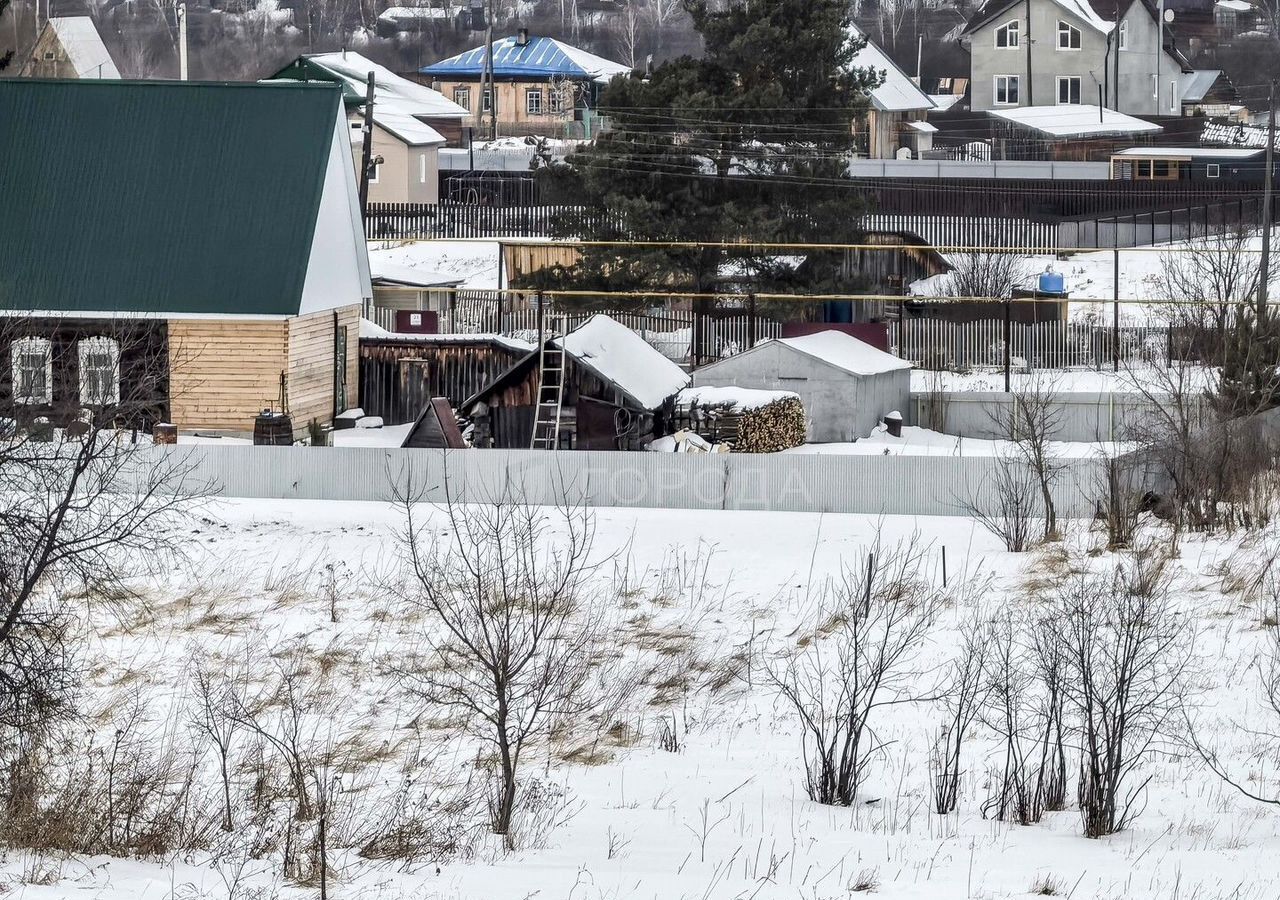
x=546, y=418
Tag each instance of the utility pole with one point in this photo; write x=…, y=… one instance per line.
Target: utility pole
x=366, y=160
x=1030, y=78
x=1268, y=179
x=182, y=41
x=487, y=78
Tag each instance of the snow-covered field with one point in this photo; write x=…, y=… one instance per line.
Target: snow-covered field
x=916, y=441
x=694, y=597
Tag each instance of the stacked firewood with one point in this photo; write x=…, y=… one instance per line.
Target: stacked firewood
x=771, y=428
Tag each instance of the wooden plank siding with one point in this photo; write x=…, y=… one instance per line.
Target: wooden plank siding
x=224, y=372
x=311, y=364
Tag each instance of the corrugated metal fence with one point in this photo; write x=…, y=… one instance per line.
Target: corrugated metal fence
x=877, y=485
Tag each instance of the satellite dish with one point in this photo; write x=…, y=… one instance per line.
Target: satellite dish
x=1168, y=15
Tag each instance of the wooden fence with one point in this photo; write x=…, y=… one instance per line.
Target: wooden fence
x=429, y=221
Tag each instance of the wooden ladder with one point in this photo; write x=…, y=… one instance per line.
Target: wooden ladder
x=546, y=419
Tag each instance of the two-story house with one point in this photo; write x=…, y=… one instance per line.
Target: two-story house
x=1111, y=53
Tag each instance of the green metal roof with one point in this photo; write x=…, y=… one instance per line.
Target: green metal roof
x=306, y=69
x=160, y=197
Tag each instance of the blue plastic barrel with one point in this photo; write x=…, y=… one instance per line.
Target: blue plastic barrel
x=1051, y=282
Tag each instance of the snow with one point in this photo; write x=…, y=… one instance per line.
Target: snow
x=621, y=356
x=474, y=263
x=383, y=271
x=541, y=58
x=368, y=435
x=916, y=441
x=846, y=352
x=391, y=92
x=373, y=331
x=1075, y=120
x=736, y=398
x=726, y=816
x=83, y=44
x=1081, y=381
x=944, y=102
x=1188, y=152
x=897, y=93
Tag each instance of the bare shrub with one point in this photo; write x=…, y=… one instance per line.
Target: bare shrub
x=513, y=632
x=963, y=702
x=858, y=655
x=1007, y=502
x=1030, y=421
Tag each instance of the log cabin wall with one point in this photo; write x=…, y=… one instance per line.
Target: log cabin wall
x=144, y=367
x=224, y=372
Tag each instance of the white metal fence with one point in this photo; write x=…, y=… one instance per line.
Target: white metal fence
x=877, y=485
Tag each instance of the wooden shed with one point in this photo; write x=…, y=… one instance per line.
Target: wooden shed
x=225, y=229
x=616, y=392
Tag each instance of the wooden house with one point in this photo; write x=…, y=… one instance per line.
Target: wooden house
x=615, y=391
x=204, y=239
x=70, y=47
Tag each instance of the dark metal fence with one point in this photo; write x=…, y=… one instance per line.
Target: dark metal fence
x=427, y=221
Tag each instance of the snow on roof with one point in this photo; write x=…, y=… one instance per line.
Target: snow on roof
x=898, y=93
x=373, y=331
x=1078, y=8
x=1235, y=5
x=80, y=39
x=736, y=399
x=944, y=102
x=541, y=57
x=392, y=13
x=1075, y=120
x=1192, y=86
x=1189, y=152
x=1237, y=135
x=475, y=264
x=383, y=271
x=921, y=126
x=844, y=351
x=622, y=357
x=397, y=102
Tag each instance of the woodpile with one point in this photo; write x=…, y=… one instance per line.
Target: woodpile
x=771, y=428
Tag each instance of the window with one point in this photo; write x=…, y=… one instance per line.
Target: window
x=1211, y=170
x=1006, y=93
x=374, y=168
x=486, y=101
x=1124, y=35
x=99, y=371
x=533, y=101
x=1160, y=168
x=1007, y=35
x=32, y=370
x=1068, y=37
x=462, y=97
x=1144, y=168
x=422, y=168
x=1068, y=89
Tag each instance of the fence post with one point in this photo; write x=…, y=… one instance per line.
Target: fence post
x=1008, y=343
x=1115, y=315
x=751, y=320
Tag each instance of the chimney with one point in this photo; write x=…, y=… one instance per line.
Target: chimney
x=522, y=37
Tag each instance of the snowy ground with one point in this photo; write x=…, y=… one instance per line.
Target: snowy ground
x=1128, y=380
x=476, y=263
x=725, y=817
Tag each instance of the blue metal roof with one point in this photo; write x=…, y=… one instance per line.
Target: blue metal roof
x=541, y=57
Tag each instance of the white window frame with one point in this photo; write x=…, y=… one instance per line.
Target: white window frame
x=84, y=349
x=1009, y=80
x=1122, y=40
x=1066, y=30
x=1212, y=170
x=462, y=97
x=486, y=97
x=373, y=172
x=533, y=98
x=31, y=346
x=422, y=168
x=558, y=99
x=1067, y=79
x=1014, y=26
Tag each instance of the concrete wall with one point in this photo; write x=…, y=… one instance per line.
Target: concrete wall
x=839, y=406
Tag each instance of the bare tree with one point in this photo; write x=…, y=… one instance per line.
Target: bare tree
x=1124, y=651
x=512, y=630
x=963, y=702
x=858, y=656
x=1005, y=503
x=215, y=718
x=988, y=274
x=1030, y=421
x=1206, y=280
x=1009, y=693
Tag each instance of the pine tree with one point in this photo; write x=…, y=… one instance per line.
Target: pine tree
x=1249, y=371
x=749, y=143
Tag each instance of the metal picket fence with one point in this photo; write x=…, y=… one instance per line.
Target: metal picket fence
x=938, y=344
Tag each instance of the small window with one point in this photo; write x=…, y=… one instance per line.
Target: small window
x=32, y=370
x=48, y=55
x=486, y=101
x=1068, y=89
x=533, y=101
x=1160, y=169
x=99, y=371
x=1124, y=35
x=462, y=97
x=1006, y=90
x=1144, y=168
x=1007, y=35
x=1211, y=170
x=357, y=126
x=374, y=168
x=422, y=168
x=1068, y=37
